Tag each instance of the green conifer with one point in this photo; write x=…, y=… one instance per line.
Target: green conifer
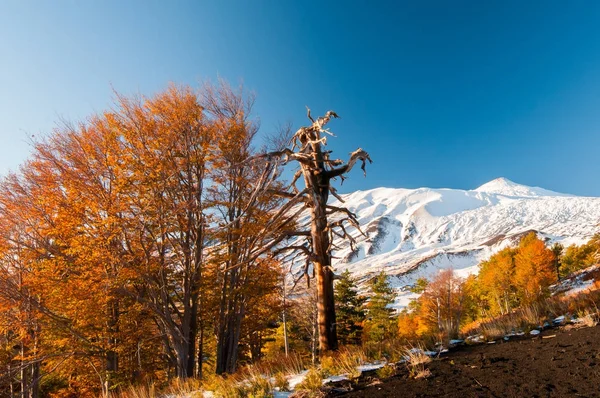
x=349, y=310
x=380, y=323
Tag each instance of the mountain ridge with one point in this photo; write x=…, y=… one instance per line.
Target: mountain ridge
x=414, y=233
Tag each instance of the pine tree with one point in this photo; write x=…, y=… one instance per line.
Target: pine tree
x=349, y=310
x=380, y=325
x=558, y=250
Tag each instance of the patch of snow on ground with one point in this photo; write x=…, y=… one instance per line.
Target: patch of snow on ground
x=371, y=366
x=333, y=379
x=294, y=380
x=583, y=286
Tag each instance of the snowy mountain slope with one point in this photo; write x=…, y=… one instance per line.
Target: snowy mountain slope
x=416, y=232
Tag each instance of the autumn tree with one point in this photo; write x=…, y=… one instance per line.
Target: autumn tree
x=263, y=308
x=242, y=216
x=411, y=325
x=534, y=269
x=496, y=280
x=512, y=277
x=166, y=151
x=72, y=189
x=19, y=325
x=304, y=317
x=112, y=243
x=155, y=225
x=442, y=304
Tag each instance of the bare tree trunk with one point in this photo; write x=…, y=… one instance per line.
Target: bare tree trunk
x=24, y=384
x=323, y=270
x=200, y=350
x=112, y=359
x=318, y=169
x=35, y=368
x=285, y=336
x=10, y=381
x=313, y=340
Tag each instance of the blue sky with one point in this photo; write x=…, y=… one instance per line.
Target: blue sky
x=442, y=94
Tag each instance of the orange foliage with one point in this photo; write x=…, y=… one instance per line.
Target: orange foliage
x=103, y=234
x=534, y=269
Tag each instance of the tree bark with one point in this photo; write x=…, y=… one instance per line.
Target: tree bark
x=324, y=275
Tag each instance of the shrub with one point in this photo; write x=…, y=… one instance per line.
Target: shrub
x=311, y=385
x=386, y=371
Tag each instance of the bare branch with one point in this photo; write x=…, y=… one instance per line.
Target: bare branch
x=301, y=248
x=308, y=114
x=355, y=156
x=335, y=194
x=285, y=194
x=297, y=175
x=335, y=209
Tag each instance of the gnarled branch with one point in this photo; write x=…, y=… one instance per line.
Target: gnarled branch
x=355, y=156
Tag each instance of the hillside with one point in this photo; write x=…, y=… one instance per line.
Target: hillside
x=555, y=363
x=415, y=232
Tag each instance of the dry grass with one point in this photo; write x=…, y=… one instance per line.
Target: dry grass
x=248, y=384
x=190, y=388
x=344, y=362
x=416, y=362
x=388, y=350
x=307, y=394
x=584, y=305
x=148, y=391
x=310, y=387
x=423, y=374
x=291, y=364
x=258, y=386
x=224, y=386
x=281, y=382
x=386, y=371
x=585, y=319
x=519, y=320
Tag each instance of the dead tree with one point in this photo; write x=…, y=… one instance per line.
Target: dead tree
x=318, y=169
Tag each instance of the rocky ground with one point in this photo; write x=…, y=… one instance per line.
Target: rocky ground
x=561, y=362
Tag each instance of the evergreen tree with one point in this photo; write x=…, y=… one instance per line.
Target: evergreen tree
x=349, y=310
x=380, y=324
x=558, y=250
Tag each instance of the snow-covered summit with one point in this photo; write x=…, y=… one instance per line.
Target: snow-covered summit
x=416, y=232
x=504, y=186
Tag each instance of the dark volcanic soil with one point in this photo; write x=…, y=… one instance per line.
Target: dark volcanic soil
x=567, y=365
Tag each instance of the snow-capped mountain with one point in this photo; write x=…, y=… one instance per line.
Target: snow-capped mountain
x=415, y=232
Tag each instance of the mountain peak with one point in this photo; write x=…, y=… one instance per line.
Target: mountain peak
x=504, y=186
x=498, y=183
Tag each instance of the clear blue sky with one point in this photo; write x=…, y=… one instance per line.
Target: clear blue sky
x=441, y=93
